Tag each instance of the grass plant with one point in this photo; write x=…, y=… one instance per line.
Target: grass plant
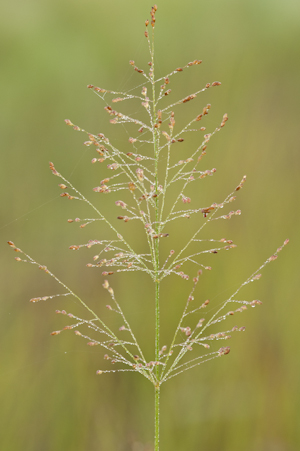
x=153, y=183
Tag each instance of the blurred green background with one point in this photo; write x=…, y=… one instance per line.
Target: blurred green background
x=51, y=398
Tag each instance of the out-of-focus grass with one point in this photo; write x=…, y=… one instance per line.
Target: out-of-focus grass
x=50, y=396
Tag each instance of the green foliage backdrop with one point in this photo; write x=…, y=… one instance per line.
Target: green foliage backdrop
x=51, y=398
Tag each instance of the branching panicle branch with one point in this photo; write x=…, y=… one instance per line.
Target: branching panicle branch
x=147, y=178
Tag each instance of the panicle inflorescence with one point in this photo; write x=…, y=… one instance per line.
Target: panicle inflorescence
x=145, y=179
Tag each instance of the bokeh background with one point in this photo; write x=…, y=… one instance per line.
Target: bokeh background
x=51, y=398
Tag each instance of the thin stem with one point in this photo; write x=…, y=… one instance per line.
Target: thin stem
x=156, y=244
x=156, y=443
x=156, y=253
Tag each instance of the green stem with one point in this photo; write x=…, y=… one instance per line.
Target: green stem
x=156, y=243
x=156, y=443
x=156, y=254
